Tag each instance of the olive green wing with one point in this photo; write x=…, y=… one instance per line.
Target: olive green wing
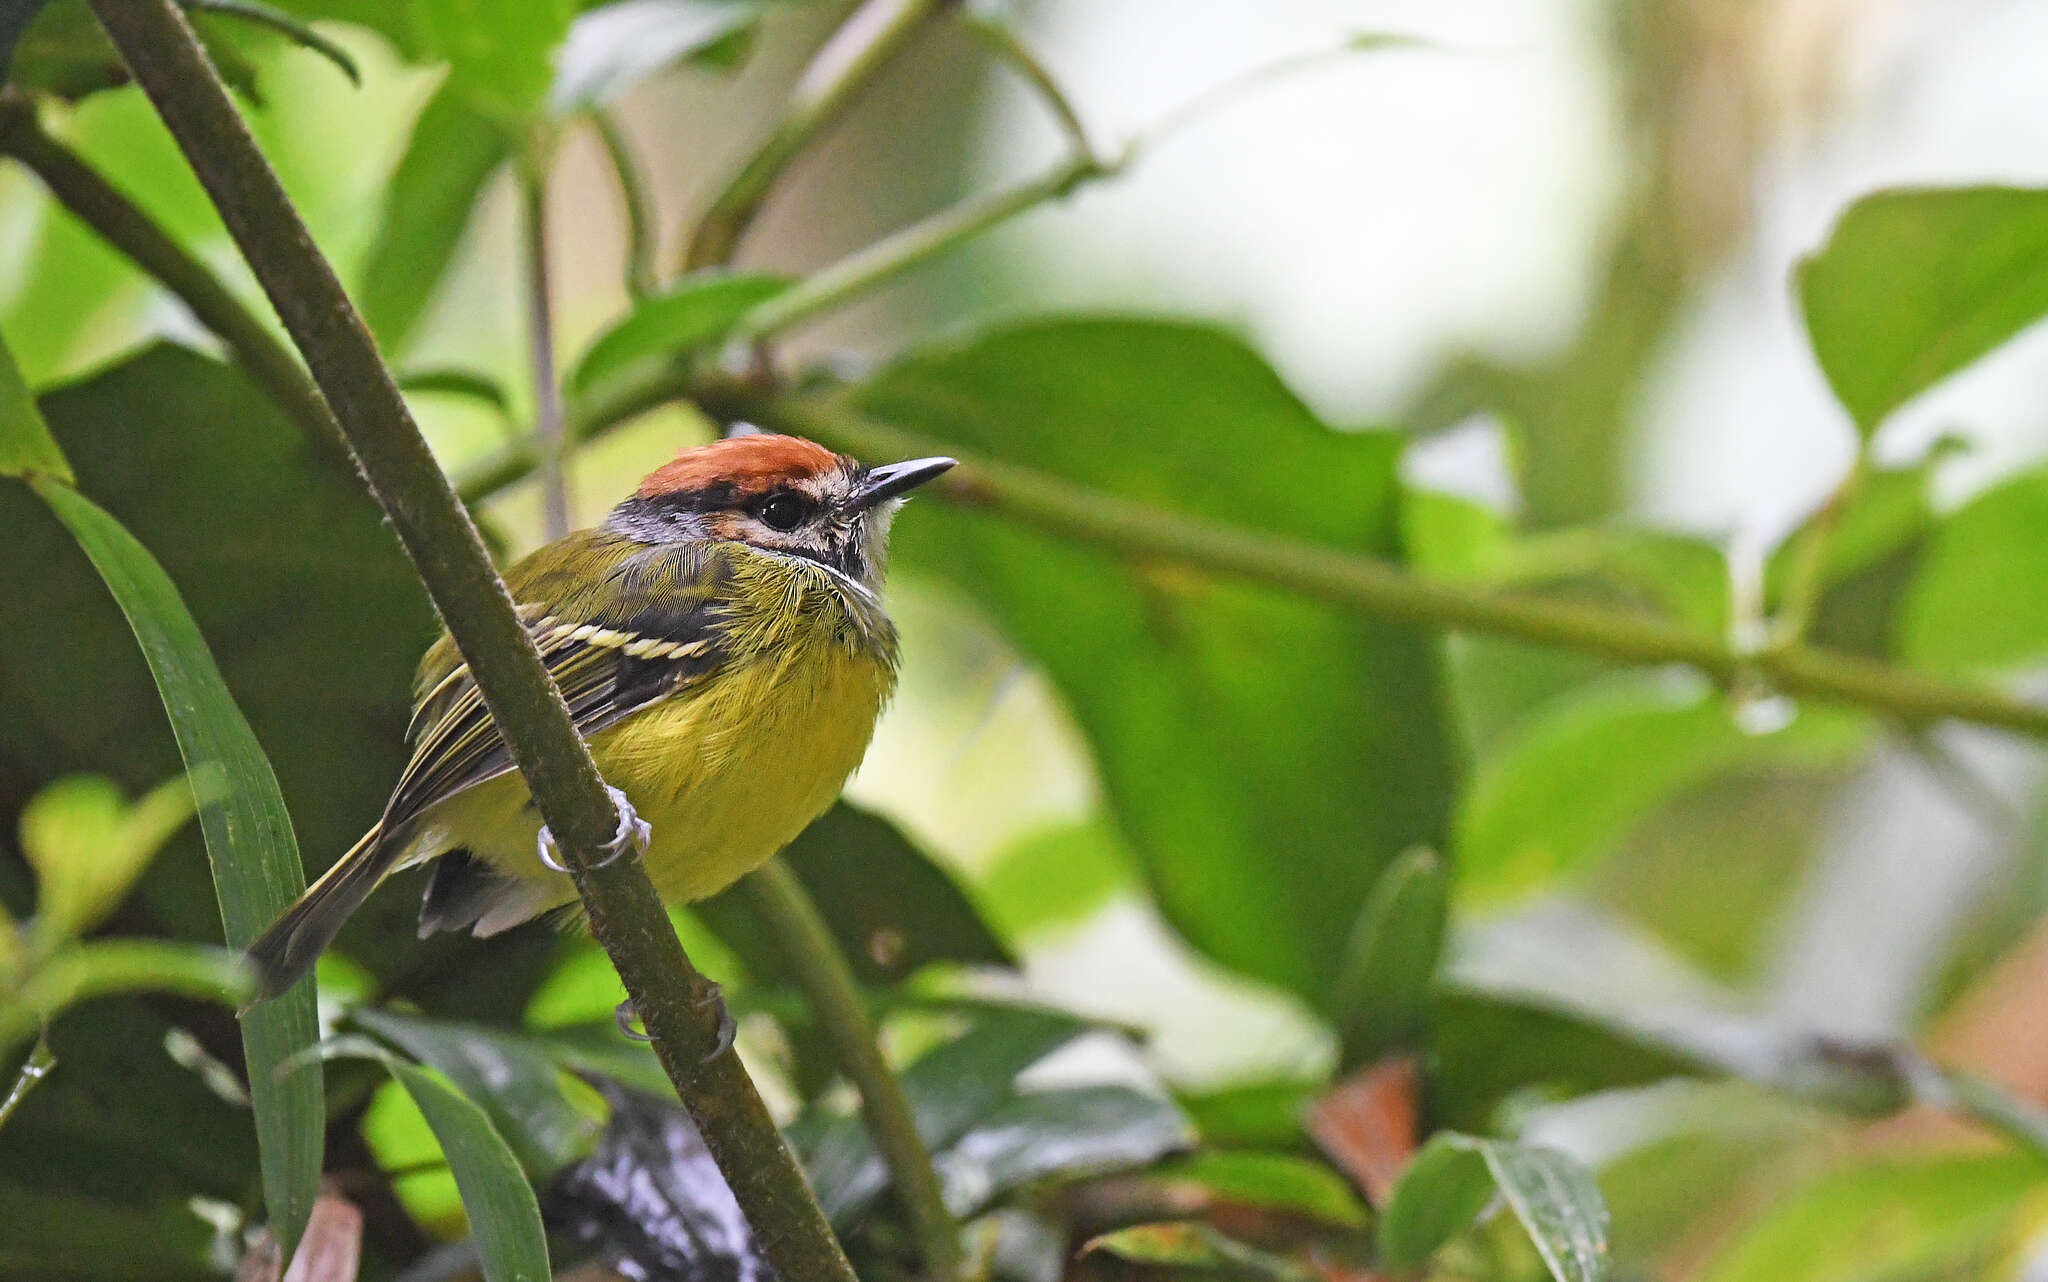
x=620, y=625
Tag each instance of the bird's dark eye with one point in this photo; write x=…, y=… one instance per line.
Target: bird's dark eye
x=782, y=512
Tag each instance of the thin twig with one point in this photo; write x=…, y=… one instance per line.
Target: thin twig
x=814, y=959
x=1004, y=44
x=626, y=916
x=1137, y=529
x=862, y=270
x=1800, y=596
x=549, y=444
x=33, y=1070
x=121, y=223
x=836, y=75
x=633, y=197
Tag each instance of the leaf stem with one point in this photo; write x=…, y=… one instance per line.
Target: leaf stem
x=836, y=75
x=1800, y=600
x=638, y=206
x=121, y=223
x=792, y=920
x=894, y=254
x=33, y=1070
x=1004, y=44
x=1137, y=529
x=626, y=916
x=550, y=445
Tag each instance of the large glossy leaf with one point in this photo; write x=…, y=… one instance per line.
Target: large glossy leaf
x=256, y=869
x=1976, y=601
x=1455, y=1176
x=504, y=1216
x=512, y=1078
x=1914, y=285
x=892, y=909
x=455, y=148
x=249, y=839
x=1036, y=1135
x=307, y=603
x=650, y=1202
x=950, y=1089
x=1267, y=755
x=1590, y=764
x=1933, y=1215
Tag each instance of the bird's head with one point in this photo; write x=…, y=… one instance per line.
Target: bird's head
x=782, y=493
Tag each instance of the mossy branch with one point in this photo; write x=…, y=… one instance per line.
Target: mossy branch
x=626, y=915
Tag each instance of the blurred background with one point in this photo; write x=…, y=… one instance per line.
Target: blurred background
x=1540, y=255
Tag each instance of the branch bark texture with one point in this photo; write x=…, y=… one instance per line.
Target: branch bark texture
x=626, y=916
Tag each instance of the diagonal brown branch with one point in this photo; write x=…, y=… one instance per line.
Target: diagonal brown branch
x=626, y=916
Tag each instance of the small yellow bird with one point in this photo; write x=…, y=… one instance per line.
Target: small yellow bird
x=722, y=649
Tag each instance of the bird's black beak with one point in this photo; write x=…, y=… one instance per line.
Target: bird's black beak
x=895, y=480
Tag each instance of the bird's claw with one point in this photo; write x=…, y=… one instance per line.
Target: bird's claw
x=624, y=1014
x=633, y=833
x=727, y=1028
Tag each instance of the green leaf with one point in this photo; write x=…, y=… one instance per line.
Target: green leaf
x=1931, y=1215
x=457, y=382
x=63, y=1235
x=1454, y=1178
x=1913, y=285
x=1055, y=877
x=1037, y=1135
x=504, y=1216
x=249, y=842
x=87, y=845
x=286, y=567
x=1383, y=992
x=1267, y=756
x=615, y=46
x=1491, y=1047
x=1976, y=602
x=1591, y=764
x=512, y=1078
x=1192, y=1244
x=26, y=447
x=1269, y=1181
x=692, y=313
x=79, y=972
x=892, y=909
x=455, y=148
x=1439, y=1196
x=950, y=1089
x=1260, y=1113
x=500, y=53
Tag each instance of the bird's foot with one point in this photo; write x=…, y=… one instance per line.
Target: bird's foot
x=727, y=1028
x=626, y=1017
x=633, y=833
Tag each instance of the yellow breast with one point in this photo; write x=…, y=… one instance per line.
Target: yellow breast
x=728, y=770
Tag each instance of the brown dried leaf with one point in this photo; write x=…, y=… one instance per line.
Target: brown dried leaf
x=1368, y=1125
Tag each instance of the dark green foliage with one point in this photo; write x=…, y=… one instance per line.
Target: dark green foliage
x=1205, y=701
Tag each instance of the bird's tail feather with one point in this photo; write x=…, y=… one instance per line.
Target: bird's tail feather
x=288, y=948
